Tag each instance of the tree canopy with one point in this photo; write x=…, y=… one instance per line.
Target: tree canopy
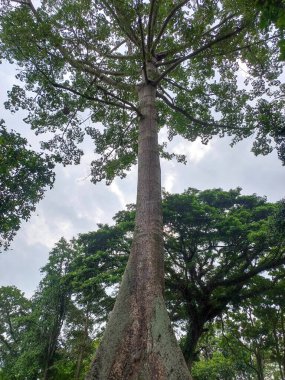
x=119, y=71
x=24, y=176
x=217, y=245
x=224, y=255
x=81, y=63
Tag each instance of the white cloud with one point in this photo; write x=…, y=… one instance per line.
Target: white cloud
x=243, y=69
x=119, y=194
x=194, y=151
x=169, y=181
x=40, y=231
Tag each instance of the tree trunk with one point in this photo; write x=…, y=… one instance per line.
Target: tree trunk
x=282, y=322
x=194, y=332
x=278, y=353
x=259, y=364
x=83, y=345
x=139, y=343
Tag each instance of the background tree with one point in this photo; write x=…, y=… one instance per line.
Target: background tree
x=24, y=175
x=14, y=308
x=248, y=336
x=40, y=344
x=257, y=326
x=242, y=332
x=136, y=67
x=78, y=342
x=219, y=353
x=51, y=303
x=217, y=245
x=49, y=336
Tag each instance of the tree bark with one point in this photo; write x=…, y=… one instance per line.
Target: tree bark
x=139, y=343
x=194, y=332
x=278, y=353
x=259, y=364
x=82, y=349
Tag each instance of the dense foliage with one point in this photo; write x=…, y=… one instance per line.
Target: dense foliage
x=273, y=12
x=119, y=71
x=24, y=175
x=224, y=290
x=217, y=72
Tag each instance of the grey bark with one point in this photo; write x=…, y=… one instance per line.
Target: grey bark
x=139, y=343
x=259, y=364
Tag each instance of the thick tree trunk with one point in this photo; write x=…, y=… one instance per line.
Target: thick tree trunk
x=139, y=343
x=194, y=332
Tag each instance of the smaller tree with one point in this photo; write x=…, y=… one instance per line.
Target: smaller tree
x=220, y=354
x=24, y=174
x=14, y=309
x=41, y=341
x=51, y=303
x=217, y=367
x=258, y=326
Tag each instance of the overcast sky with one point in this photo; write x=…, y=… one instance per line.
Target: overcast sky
x=75, y=205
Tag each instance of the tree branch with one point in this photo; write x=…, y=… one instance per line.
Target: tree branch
x=151, y=22
x=117, y=46
x=165, y=23
x=179, y=60
x=128, y=31
x=190, y=117
x=96, y=71
x=104, y=72
x=243, y=47
x=94, y=98
x=143, y=48
x=222, y=22
x=185, y=46
x=175, y=84
x=246, y=276
x=131, y=106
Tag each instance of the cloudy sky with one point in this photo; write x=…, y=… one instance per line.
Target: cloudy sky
x=75, y=205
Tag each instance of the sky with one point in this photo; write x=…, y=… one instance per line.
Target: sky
x=75, y=205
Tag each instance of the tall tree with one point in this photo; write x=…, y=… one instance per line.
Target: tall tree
x=137, y=66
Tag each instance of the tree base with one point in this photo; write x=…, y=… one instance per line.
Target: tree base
x=138, y=343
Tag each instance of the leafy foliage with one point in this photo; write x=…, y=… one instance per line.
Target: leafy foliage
x=250, y=335
x=24, y=174
x=273, y=12
x=14, y=308
x=85, y=62
x=82, y=62
x=218, y=246
x=217, y=367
